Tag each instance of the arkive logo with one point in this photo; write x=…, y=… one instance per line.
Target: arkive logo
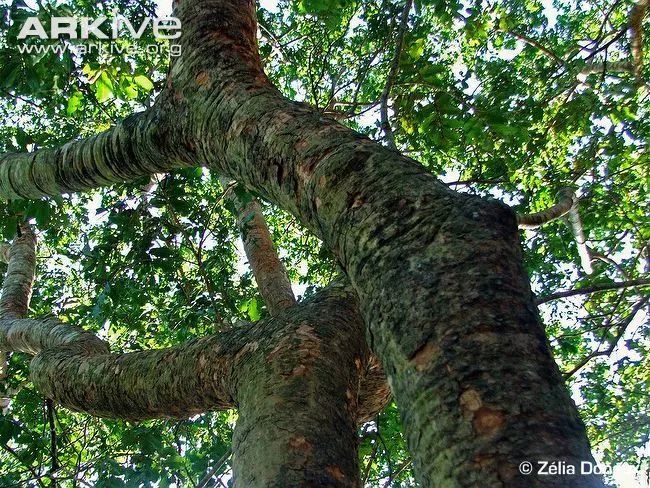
x=89, y=28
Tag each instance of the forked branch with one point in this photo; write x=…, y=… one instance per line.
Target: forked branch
x=76, y=369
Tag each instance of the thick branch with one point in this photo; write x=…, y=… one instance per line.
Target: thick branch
x=131, y=149
x=75, y=369
x=599, y=287
x=19, y=278
x=17, y=285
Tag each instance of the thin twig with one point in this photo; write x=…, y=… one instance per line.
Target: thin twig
x=394, y=66
x=206, y=479
x=597, y=288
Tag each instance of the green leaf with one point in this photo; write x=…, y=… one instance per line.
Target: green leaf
x=74, y=102
x=103, y=91
x=254, y=309
x=143, y=82
x=9, y=73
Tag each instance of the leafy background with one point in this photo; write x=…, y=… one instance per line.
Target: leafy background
x=514, y=99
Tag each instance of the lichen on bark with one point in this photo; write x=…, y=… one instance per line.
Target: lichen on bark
x=438, y=275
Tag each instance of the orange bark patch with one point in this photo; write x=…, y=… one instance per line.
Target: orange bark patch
x=487, y=422
x=203, y=79
x=470, y=402
x=335, y=472
x=300, y=145
x=484, y=460
x=300, y=444
x=300, y=370
x=424, y=355
x=283, y=345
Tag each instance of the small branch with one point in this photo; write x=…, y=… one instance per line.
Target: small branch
x=390, y=79
x=366, y=471
x=637, y=14
x=270, y=274
x=597, y=288
x=566, y=200
x=398, y=471
x=611, y=67
x=35, y=475
x=49, y=405
x=206, y=479
x=622, y=327
x=581, y=241
x=567, y=204
x=537, y=45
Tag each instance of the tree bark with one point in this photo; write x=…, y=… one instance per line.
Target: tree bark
x=125, y=152
x=297, y=401
x=439, y=276
x=270, y=274
x=304, y=367
x=19, y=278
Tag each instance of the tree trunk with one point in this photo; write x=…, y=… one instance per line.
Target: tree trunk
x=297, y=402
x=438, y=275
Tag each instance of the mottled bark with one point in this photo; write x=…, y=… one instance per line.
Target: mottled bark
x=19, y=278
x=439, y=275
x=269, y=272
x=297, y=401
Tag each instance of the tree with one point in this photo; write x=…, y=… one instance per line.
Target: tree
x=433, y=279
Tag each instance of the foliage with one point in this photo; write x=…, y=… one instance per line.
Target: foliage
x=513, y=99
